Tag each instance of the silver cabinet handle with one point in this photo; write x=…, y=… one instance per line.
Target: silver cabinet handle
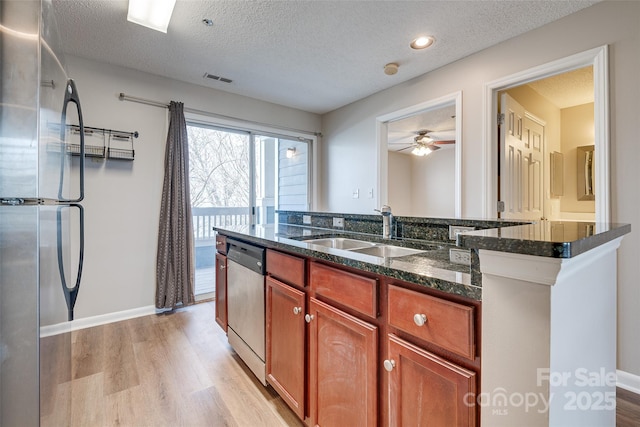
x=297, y=310
x=308, y=318
x=389, y=364
x=222, y=266
x=419, y=319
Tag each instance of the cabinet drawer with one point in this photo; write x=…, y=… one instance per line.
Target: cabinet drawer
x=449, y=325
x=352, y=290
x=221, y=244
x=288, y=268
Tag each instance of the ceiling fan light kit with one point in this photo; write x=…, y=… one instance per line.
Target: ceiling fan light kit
x=422, y=150
x=426, y=142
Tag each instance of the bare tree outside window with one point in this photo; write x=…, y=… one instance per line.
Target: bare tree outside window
x=218, y=168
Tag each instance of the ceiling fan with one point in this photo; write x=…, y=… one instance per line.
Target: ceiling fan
x=427, y=141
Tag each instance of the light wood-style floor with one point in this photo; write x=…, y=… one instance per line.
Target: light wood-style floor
x=165, y=370
x=178, y=370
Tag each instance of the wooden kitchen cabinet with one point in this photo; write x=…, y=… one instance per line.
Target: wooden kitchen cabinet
x=221, y=243
x=287, y=268
x=285, y=340
x=444, y=323
x=427, y=390
x=343, y=366
x=221, y=290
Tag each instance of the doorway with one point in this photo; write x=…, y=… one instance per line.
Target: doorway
x=597, y=59
x=449, y=180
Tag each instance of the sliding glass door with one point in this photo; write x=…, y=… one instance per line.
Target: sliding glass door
x=219, y=180
x=240, y=177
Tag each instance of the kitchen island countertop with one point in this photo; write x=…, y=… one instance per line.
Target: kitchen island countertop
x=550, y=239
x=430, y=268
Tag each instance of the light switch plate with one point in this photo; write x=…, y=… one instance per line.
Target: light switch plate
x=338, y=222
x=306, y=219
x=454, y=230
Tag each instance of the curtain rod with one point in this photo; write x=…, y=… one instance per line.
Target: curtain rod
x=125, y=97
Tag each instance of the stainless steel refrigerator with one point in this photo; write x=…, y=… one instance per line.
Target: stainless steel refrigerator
x=41, y=218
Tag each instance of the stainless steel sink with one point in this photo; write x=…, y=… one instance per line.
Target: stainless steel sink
x=341, y=243
x=385, y=251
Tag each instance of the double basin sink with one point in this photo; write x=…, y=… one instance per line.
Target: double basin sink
x=380, y=250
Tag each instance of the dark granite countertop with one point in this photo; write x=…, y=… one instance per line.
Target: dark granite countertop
x=553, y=239
x=431, y=268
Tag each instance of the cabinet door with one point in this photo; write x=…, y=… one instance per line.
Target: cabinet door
x=285, y=343
x=221, y=291
x=426, y=390
x=343, y=365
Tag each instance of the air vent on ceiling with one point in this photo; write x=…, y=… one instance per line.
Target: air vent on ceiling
x=214, y=77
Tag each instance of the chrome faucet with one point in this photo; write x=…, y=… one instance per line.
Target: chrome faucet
x=387, y=221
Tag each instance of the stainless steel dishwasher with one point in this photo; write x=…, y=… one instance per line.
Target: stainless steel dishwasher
x=245, y=304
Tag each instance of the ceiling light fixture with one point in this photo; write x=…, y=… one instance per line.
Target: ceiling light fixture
x=424, y=144
x=421, y=150
x=422, y=42
x=154, y=14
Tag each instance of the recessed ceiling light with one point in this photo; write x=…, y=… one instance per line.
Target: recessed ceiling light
x=422, y=42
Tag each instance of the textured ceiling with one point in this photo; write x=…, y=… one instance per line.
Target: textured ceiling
x=568, y=89
x=312, y=55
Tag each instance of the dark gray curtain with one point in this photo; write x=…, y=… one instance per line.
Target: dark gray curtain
x=174, y=268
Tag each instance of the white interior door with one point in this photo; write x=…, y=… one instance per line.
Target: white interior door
x=521, y=162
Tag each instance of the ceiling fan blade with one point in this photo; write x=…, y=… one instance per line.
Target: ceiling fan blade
x=442, y=135
x=444, y=142
x=405, y=148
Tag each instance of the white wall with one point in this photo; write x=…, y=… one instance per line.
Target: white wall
x=433, y=184
x=350, y=132
x=577, y=130
x=123, y=198
x=400, y=183
x=422, y=186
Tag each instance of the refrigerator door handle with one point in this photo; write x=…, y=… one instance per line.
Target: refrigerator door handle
x=71, y=95
x=70, y=294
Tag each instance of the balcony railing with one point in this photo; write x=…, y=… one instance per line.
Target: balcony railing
x=204, y=219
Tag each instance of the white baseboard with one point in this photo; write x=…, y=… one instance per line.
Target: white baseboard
x=628, y=381
x=102, y=319
x=205, y=296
